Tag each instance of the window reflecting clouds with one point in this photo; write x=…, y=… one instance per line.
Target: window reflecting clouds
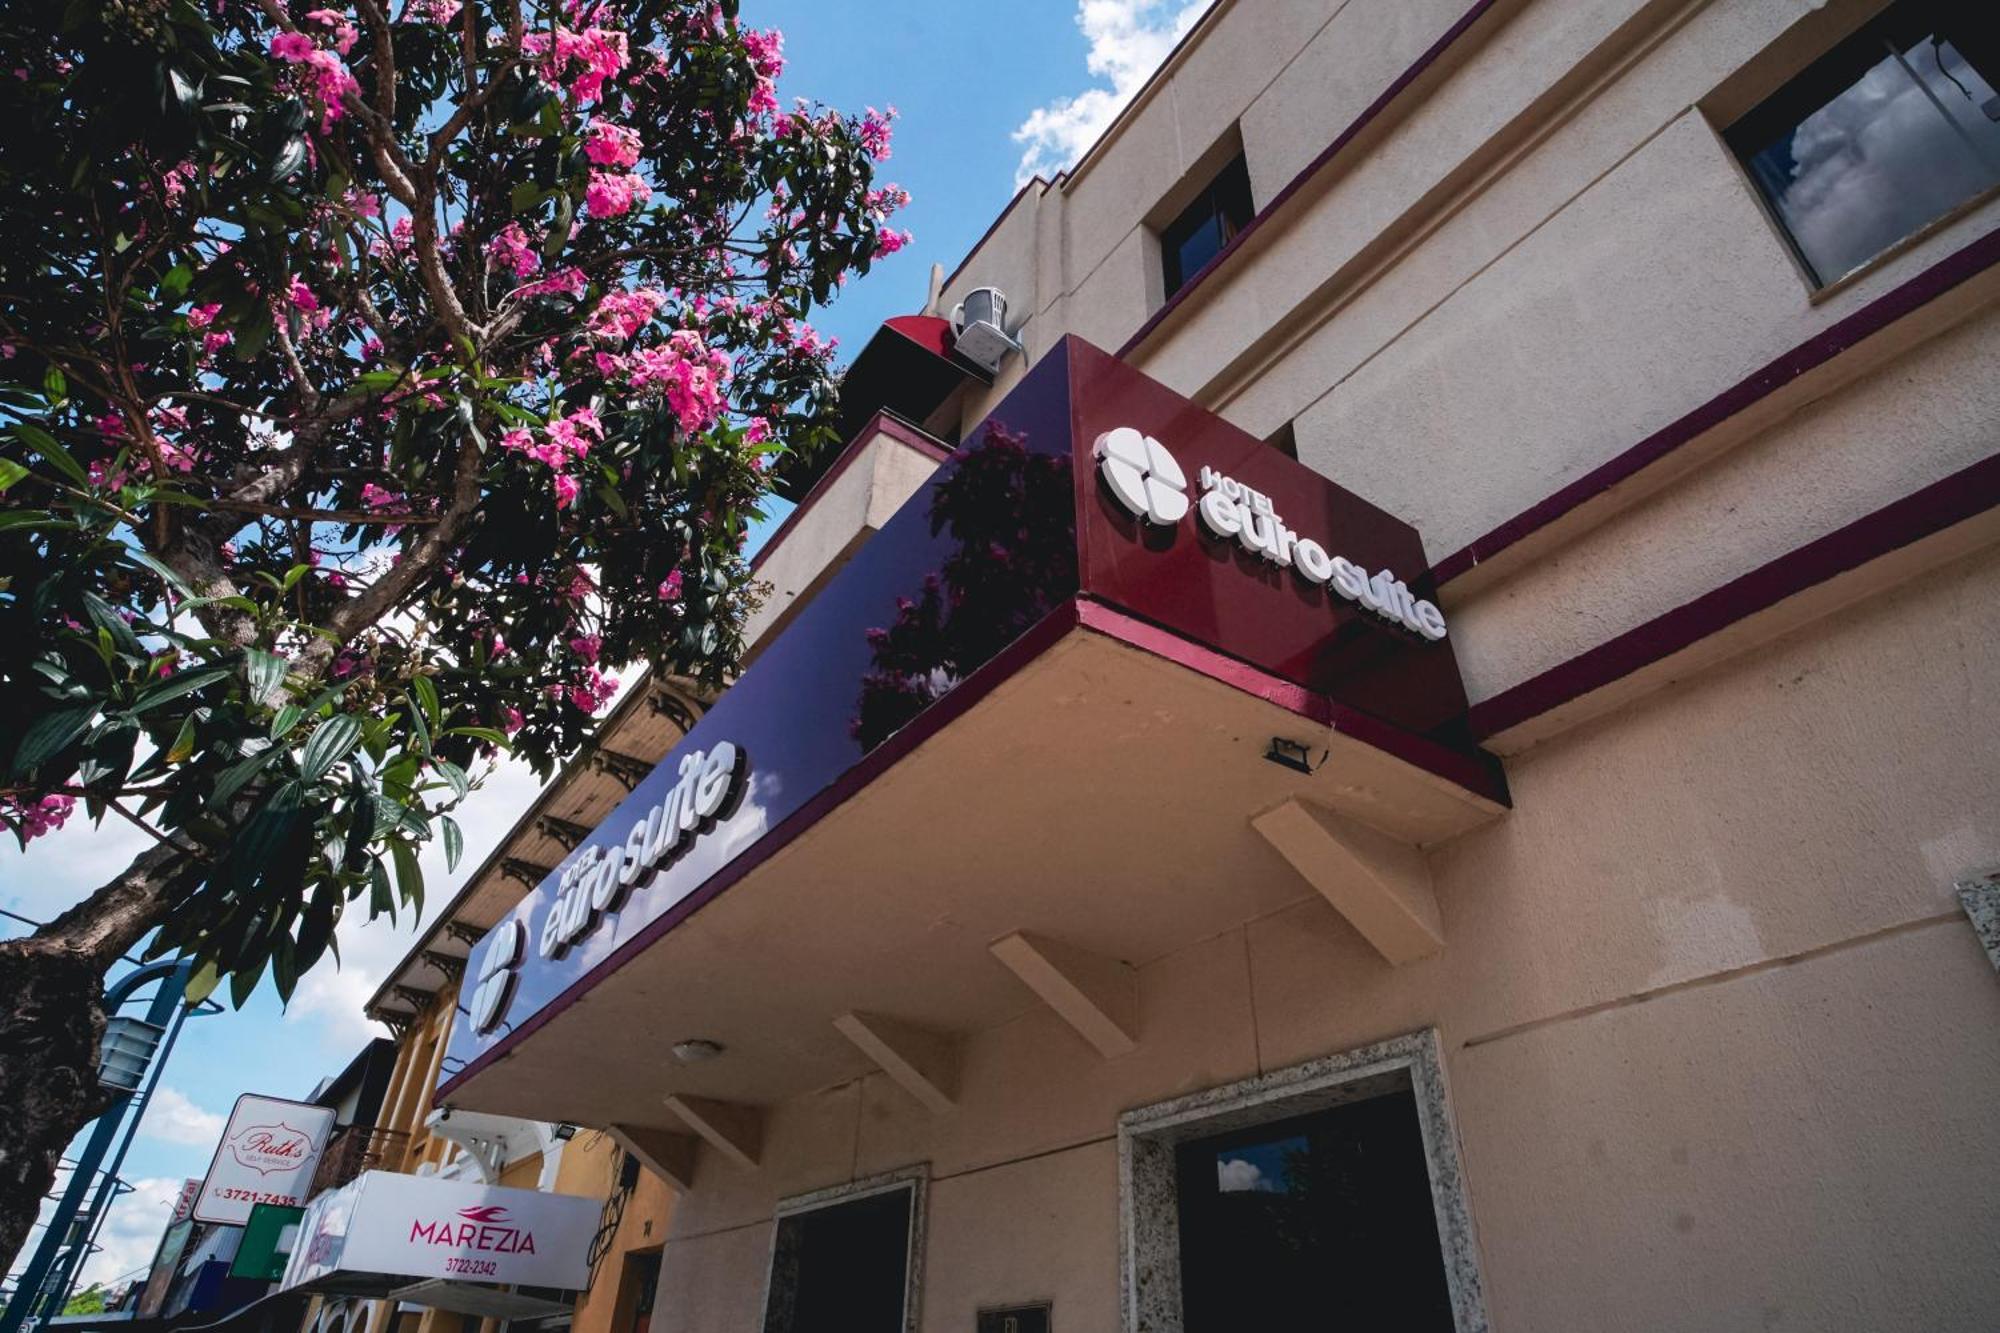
x=1888, y=132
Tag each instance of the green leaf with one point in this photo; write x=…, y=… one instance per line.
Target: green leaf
x=183, y=746
x=173, y=687
x=202, y=984
x=329, y=745
x=286, y=718
x=174, y=580
x=105, y=616
x=238, y=775
x=10, y=472
x=54, y=387
x=45, y=444
x=426, y=693
x=52, y=733
x=454, y=842
x=266, y=672
x=409, y=875
x=490, y=734
x=32, y=518
x=243, y=982
x=289, y=159
x=423, y=731
x=381, y=899
x=292, y=577
x=454, y=776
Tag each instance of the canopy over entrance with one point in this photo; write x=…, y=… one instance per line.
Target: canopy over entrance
x=1117, y=678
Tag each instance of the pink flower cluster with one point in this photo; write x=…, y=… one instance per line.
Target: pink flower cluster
x=566, y=440
x=613, y=194
x=767, y=56
x=610, y=145
x=513, y=251
x=670, y=587
x=328, y=76
x=431, y=11
x=875, y=132
x=689, y=372
x=621, y=314
x=593, y=690
x=583, y=62
x=31, y=819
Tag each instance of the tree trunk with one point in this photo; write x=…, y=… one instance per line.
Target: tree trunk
x=51, y=1019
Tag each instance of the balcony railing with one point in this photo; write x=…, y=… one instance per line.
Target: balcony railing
x=356, y=1149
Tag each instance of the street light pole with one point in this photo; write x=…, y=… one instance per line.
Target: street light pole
x=41, y=1274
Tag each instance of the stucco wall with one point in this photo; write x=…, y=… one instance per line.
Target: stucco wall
x=1718, y=1040
x=1712, y=1024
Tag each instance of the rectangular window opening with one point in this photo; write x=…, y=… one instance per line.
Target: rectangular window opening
x=1284, y=1221
x=1886, y=136
x=1210, y=221
x=844, y=1266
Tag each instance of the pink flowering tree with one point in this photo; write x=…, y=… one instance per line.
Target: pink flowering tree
x=371, y=381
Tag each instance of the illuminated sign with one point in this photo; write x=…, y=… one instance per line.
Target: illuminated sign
x=594, y=884
x=1150, y=484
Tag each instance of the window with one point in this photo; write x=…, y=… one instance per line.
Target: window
x=1196, y=236
x=1888, y=133
x=1323, y=1196
x=841, y=1261
x=1283, y=1220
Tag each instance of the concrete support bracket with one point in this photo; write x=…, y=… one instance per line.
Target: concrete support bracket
x=731, y=1128
x=1097, y=996
x=922, y=1062
x=666, y=1154
x=1382, y=886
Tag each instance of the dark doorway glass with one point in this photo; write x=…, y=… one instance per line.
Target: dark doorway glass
x=1888, y=132
x=843, y=1268
x=1322, y=1222
x=1220, y=211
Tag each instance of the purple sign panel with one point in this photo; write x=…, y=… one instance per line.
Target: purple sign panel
x=1089, y=480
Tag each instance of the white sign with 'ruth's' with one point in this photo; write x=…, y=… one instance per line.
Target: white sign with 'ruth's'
x=268, y=1154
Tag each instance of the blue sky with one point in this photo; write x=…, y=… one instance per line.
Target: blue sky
x=966, y=77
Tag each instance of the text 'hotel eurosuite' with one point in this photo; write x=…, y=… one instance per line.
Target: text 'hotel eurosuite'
x=1402, y=736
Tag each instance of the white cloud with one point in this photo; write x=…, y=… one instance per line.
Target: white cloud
x=132, y=1229
x=1235, y=1176
x=173, y=1117
x=1128, y=40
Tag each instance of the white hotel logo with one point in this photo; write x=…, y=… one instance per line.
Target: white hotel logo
x=1149, y=483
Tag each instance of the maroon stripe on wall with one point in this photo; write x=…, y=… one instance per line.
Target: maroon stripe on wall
x=1816, y=351
x=1962, y=495
x=882, y=423
x=1361, y=122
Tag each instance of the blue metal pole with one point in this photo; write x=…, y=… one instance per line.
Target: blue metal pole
x=172, y=977
x=71, y=1261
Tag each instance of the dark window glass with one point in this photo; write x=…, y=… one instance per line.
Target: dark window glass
x=1882, y=136
x=1220, y=211
x=1321, y=1222
x=843, y=1268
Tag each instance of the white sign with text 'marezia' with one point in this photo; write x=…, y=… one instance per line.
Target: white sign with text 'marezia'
x=423, y=1227
x=269, y=1151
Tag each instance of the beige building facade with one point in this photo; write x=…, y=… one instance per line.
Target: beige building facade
x=1646, y=990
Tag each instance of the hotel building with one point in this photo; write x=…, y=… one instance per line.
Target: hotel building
x=1424, y=749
